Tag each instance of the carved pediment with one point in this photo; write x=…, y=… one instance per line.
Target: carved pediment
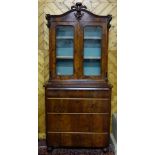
x=78, y=12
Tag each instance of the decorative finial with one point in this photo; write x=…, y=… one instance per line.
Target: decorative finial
x=48, y=20
x=78, y=7
x=109, y=19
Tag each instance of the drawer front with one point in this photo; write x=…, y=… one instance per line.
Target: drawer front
x=84, y=122
x=77, y=139
x=78, y=93
x=77, y=105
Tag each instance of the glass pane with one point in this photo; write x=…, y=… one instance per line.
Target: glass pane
x=64, y=47
x=92, y=67
x=92, y=50
x=64, y=67
x=64, y=50
x=93, y=31
x=65, y=31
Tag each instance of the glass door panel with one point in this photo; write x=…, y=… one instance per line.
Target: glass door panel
x=92, y=67
x=64, y=67
x=64, y=50
x=92, y=50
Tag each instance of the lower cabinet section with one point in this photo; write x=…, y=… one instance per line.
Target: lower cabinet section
x=77, y=139
x=78, y=117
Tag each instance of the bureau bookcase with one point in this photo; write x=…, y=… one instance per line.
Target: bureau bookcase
x=77, y=94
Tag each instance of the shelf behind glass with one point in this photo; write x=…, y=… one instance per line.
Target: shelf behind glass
x=92, y=37
x=64, y=37
x=92, y=58
x=64, y=57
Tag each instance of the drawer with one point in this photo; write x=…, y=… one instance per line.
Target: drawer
x=82, y=93
x=77, y=139
x=74, y=122
x=77, y=105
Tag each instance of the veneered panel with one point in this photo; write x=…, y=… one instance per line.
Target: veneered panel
x=78, y=105
x=77, y=140
x=73, y=122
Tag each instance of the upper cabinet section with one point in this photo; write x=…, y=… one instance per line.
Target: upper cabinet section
x=79, y=13
x=78, y=45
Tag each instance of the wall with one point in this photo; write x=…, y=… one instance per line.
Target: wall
x=99, y=7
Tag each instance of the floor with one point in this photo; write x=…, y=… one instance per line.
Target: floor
x=43, y=151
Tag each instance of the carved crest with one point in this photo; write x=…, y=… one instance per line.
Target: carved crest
x=78, y=7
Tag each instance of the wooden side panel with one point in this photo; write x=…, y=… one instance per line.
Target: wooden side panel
x=78, y=122
x=78, y=105
x=77, y=140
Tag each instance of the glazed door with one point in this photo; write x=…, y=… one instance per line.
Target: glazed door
x=94, y=51
x=62, y=50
